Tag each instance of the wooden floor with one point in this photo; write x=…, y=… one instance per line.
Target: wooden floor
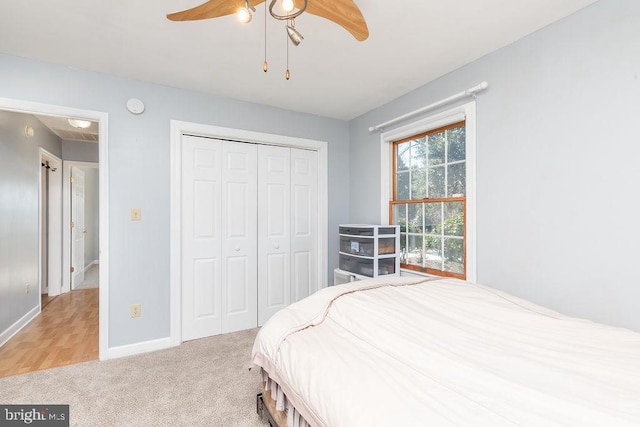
x=66, y=332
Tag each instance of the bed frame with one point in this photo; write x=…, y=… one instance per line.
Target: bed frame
x=266, y=408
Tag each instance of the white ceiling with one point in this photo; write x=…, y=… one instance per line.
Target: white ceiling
x=61, y=127
x=411, y=42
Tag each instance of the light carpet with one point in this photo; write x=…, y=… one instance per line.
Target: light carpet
x=204, y=382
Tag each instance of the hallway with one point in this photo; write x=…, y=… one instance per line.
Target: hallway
x=91, y=278
x=66, y=332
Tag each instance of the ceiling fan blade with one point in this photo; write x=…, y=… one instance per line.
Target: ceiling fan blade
x=343, y=12
x=210, y=9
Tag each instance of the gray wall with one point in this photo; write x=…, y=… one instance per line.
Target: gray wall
x=139, y=172
x=557, y=162
x=91, y=214
x=80, y=151
x=19, y=219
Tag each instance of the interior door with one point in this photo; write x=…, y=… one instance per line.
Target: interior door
x=274, y=230
x=78, y=230
x=44, y=231
x=219, y=229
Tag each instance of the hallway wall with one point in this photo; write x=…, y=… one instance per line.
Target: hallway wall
x=19, y=217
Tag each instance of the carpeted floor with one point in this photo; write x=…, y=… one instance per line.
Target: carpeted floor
x=200, y=383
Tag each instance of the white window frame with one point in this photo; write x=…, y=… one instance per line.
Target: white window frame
x=466, y=112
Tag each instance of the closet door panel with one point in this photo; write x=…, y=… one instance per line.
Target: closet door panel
x=239, y=243
x=205, y=299
x=274, y=279
x=202, y=244
x=302, y=279
x=304, y=224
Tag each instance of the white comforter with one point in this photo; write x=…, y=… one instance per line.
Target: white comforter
x=400, y=352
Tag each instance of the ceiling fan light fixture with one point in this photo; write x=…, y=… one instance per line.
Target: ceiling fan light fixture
x=294, y=35
x=79, y=124
x=244, y=15
x=287, y=5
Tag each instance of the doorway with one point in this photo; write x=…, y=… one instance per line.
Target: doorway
x=101, y=118
x=81, y=239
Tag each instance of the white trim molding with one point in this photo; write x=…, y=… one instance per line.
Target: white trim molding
x=179, y=128
x=7, y=334
x=465, y=112
x=139, y=348
x=102, y=118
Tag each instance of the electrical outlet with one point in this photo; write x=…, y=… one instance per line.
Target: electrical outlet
x=135, y=310
x=26, y=288
x=136, y=214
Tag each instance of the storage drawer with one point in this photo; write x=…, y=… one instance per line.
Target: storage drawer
x=387, y=246
x=386, y=230
x=348, y=263
x=356, y=246
x=356, y=231
x=363, y=267
x=386, y=266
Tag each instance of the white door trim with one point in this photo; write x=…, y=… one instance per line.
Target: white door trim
x=29, y=107
x=54, y=262
x=178, y=128
x=66, y=217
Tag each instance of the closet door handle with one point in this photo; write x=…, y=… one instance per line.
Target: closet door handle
x=237, y=248
x=277, y=246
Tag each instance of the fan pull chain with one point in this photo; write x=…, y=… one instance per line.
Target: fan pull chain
x=265, y=64
x=287, y=75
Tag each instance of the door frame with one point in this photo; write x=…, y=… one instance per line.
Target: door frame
x=29, y=107
x=54, y=226
x=66, y=216
x=178, y=128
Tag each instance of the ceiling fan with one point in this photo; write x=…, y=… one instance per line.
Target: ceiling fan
x=343, y=12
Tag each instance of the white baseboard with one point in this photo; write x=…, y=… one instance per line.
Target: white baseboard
x=17, y=326
x=91, y=264
x=139, y=348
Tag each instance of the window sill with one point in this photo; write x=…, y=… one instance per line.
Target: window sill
x=404, y=272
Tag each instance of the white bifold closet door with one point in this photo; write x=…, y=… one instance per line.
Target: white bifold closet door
x=219, y=229
x=287, y=227
x=249, y=233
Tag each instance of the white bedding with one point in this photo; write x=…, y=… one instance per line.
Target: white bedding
x=405, y=352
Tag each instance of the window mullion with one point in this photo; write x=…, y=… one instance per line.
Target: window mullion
x=424, y=240
x=446, y=163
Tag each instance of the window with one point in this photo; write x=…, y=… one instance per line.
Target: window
x=429, y=200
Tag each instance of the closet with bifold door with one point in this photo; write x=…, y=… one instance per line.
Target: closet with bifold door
x=249, y=232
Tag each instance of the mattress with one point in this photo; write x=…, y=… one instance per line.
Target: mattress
x=414, y=352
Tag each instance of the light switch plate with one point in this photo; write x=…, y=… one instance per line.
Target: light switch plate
x=136, y=214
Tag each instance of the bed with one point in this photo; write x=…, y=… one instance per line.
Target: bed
x=437, y=352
